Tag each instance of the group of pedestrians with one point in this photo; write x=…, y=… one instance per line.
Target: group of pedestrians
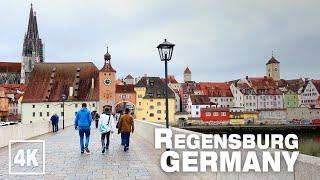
x=106, y=124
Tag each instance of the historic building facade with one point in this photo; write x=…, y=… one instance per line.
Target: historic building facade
x=150, y=101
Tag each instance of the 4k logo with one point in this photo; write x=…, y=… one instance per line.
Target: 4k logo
x=27, y=158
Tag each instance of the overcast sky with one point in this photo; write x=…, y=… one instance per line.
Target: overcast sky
x=218, y=40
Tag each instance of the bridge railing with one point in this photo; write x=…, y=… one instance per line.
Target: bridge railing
x=306, y=167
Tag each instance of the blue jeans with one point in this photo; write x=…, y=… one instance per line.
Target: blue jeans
x=82, y=131
x=125, y=137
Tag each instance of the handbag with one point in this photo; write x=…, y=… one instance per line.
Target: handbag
x=105, y=127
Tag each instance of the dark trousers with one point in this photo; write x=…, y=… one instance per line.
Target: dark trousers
x=84, y=131
x=96, y=123
x=55, y=127
x=103, y=137
x=125, y=137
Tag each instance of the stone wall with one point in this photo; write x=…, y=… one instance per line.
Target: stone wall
x=27, y=131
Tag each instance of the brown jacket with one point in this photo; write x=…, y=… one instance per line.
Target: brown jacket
x=126, y=123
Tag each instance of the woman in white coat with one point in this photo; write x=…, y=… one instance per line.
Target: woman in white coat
x=106, y=127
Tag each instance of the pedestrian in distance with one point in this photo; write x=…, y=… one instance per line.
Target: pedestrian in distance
x=106, y=127
x=126, y=127
x=54, y=121
x=95, y=117
x=83, y=124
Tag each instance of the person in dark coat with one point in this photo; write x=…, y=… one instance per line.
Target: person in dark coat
x=54, y=121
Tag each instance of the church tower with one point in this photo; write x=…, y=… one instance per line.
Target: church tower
x=32, y=52
x=187, y=75
x=107, y=84
x=273, y=69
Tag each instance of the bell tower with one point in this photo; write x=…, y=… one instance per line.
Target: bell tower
x=107, y=84
x=273, y=69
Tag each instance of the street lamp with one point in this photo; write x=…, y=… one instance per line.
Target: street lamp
x=63, y=97
x=165, y=51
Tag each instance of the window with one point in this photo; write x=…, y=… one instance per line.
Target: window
x=93, y=105
x=159, y=119
x=139, y=95
x=208, y=113
x=197, y=113
x=151, y=107
x=197, y=107
x=33, y=106
x=158, y=103
x=139, y=103
x=223, y=114
x=215, y=114
x=47, y=105
x=76, y=105
x=33, y=114
x=151, y=115
x=40, y=114
x=48, y=114
x=159, y=111
x=61, y=105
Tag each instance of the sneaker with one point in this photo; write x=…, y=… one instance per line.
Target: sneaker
x=107, y=147
x=125, y=149
x=87, y=150
x=82, y=151
x=103, y=150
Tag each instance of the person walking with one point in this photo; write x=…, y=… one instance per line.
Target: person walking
x=126, y=126
x=106, y=127
x=83, y=123
x=57, y=122
x=54, y=120
x=95, y=118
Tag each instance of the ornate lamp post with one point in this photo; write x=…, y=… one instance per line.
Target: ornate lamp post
x=63, y=97
x=165, y=51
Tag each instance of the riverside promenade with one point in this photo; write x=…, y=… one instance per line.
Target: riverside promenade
x=64, y=160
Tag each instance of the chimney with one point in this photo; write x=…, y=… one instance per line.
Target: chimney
x=70, y=91
x=92, y=83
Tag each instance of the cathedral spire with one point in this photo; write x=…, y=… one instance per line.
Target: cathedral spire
x=32, y=51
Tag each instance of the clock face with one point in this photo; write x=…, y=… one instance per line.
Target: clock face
x=107, y=81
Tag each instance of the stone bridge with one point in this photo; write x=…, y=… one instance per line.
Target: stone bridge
x=142, y=161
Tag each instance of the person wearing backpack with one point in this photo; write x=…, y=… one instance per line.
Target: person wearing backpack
x=106, y=127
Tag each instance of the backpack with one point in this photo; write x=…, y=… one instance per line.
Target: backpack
x=105, y=127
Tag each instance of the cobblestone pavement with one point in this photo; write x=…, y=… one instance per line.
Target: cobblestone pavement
x=64, y=160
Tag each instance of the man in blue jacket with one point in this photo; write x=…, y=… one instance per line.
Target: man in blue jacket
x=83, y=123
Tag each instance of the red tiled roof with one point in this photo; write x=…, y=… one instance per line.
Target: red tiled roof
x=10, y=67
x=128, y=88
x=316, y=83
x=171, y=79
x=107, y=68
x=187, y=71
x=264, y=85
x=200, y=100
x=8, y=87
x=214, y=89
x=272, y=61
x=40, y=88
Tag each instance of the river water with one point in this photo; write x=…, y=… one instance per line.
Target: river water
x=309, y=143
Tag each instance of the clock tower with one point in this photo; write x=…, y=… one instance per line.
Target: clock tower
x=107, y=84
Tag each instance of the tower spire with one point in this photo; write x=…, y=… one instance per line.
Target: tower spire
x=32, y=52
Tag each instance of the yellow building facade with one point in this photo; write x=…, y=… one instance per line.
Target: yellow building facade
x=150, y=101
